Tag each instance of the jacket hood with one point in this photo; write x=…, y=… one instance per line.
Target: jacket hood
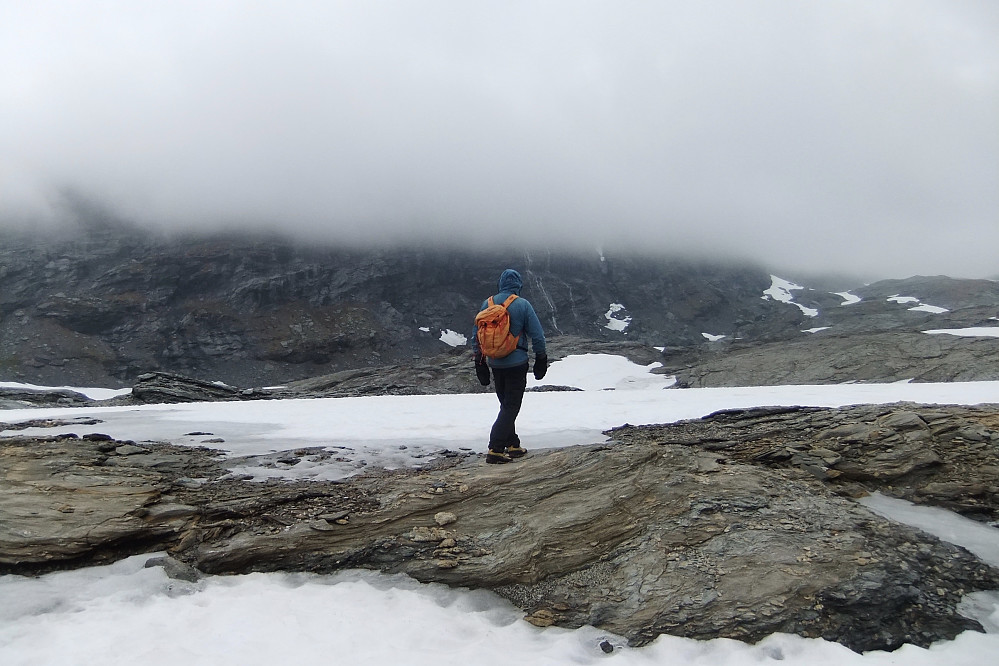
x=510, y=282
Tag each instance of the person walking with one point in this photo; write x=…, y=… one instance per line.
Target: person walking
x=506, y=354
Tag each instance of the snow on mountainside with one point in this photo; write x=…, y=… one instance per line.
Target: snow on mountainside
x=105, y=306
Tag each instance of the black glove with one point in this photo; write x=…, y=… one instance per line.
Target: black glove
x=481, y=369
x=540, y=366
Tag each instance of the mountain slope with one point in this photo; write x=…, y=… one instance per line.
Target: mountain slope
x=106, y=304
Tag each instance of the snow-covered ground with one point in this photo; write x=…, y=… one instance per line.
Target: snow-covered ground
x=90, y=392
x=123, y=613
x=971, y=332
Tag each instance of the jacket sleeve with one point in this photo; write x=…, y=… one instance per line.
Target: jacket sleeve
x=534, y=331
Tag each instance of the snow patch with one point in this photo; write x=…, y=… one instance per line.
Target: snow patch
x=972, y=332
x=614, y=322
x=922, y=307
x=712, y=338
x=780, y=290
x=597, y=372
x=91, y=392
x=453, y=338
x=425, y=329
x=814, y=330
x=848, y=298
x=979, y=538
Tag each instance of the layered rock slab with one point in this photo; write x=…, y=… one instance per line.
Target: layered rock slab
x=638, y=538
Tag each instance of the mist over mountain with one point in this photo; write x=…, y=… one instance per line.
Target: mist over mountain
x=854, y=137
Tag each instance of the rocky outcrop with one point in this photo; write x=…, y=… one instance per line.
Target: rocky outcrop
x=737, y=525
x=827, y=358
x=17, y=398
x=947, y=457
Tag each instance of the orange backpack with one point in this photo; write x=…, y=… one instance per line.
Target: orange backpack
x=493, y=332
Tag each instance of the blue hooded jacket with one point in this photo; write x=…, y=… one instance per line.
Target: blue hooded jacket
x=524, y=322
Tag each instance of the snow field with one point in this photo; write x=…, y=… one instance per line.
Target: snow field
x=124, y=613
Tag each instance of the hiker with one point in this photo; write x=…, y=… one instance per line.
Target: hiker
x=508, y=360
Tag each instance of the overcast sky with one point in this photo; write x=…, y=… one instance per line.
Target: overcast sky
x=860, y=135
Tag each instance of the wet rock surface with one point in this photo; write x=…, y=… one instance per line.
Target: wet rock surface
x=738, y=525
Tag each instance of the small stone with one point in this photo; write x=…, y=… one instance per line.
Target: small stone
x=445, y=518
x=427, y=534
x=446, y=564
x=448, y=543
x=541, y=618
x=606, y=646
x=130, y=450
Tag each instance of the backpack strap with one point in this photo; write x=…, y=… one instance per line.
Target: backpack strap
x=509, y=299
x=490, y=302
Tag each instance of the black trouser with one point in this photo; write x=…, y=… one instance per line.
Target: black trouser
x=510, y=386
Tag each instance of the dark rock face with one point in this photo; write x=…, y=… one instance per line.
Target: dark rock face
x=107, y=305
x=15, y=398
x=112, y=304
x=736, y=525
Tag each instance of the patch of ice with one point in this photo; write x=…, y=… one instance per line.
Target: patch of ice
x=425, y=329
x=814, y=330
x=902, y=299
x=613, y=322
x=453, y=338
x=712, y=338
x=979, y=538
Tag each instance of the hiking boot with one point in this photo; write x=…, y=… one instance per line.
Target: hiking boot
x=494, y=457
x=516, y=451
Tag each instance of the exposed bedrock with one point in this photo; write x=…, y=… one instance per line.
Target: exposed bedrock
x=735, y=525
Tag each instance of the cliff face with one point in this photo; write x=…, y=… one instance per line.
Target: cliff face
x=107, y=305
x=110, y=305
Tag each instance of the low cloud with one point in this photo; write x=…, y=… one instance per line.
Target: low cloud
x=853, y=136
